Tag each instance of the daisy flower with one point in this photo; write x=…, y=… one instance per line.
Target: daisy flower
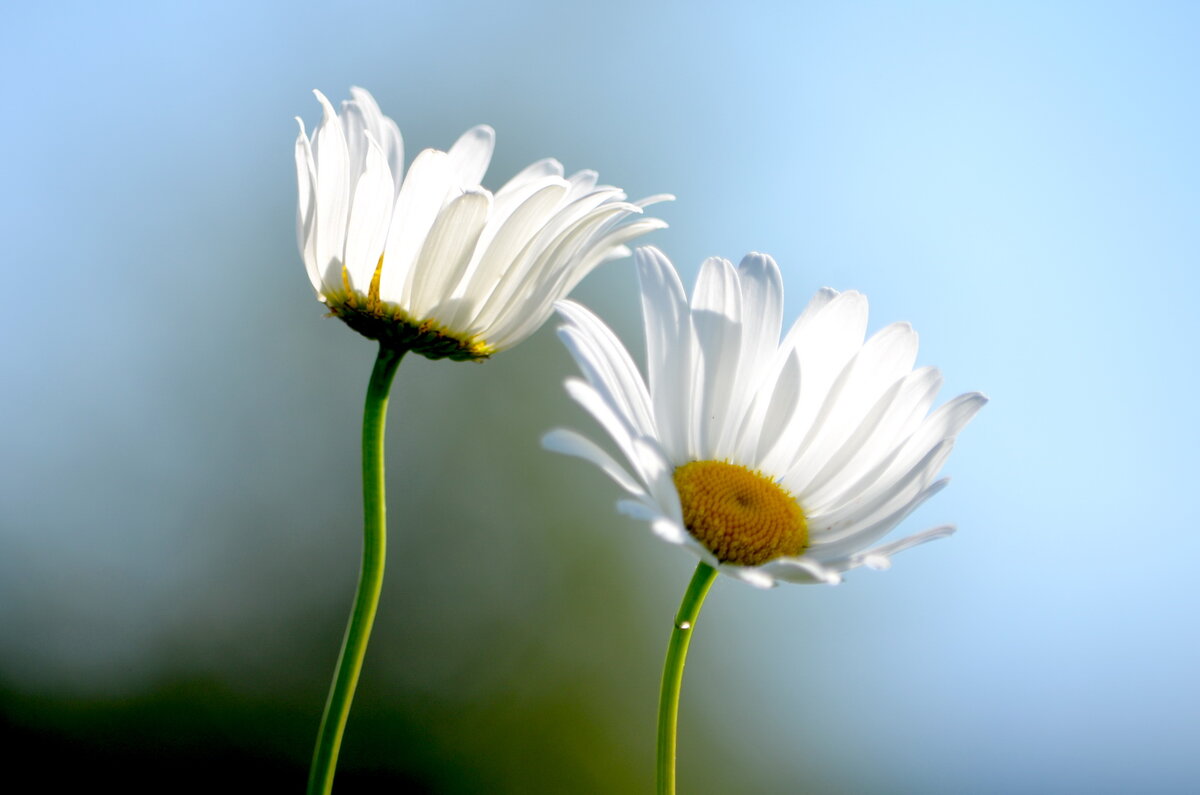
x=431, y=261
x=769, y=460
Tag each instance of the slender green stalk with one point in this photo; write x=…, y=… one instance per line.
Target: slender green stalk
x=672, y=678
x=370, y=578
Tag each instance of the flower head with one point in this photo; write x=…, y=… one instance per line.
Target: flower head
x=430, y=261
x=769, y=460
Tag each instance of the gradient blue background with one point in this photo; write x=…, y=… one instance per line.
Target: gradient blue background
x=178, y=499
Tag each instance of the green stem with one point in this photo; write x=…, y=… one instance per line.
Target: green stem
x=672, y=678
x=370, y=578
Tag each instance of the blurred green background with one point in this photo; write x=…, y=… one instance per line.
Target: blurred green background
x=179, y=516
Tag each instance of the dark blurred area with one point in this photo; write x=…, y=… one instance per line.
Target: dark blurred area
x=505, y=655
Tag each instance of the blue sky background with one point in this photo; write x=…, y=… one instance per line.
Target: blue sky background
x=1019, y=180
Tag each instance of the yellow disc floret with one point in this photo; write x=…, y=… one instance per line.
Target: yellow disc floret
x=396, y=328
x=742, y=516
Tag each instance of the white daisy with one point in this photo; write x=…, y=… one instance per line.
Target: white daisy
x=431, y=261
x=769, y=460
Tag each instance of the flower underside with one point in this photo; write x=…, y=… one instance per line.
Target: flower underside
x=392, y=326
x=741, y=516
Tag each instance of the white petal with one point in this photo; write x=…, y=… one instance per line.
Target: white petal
x=762, y=312
x=867, y=508
x=643, y=453
x=503, y=208
x=606, y=364
x=816, y=305
x=765, y=423
x=610, y=245
x=385, y=132
x=655, y=199
x=535, y=284
x=447, y=250
x=548, y=167
x=937, y=432
x=943, y=425
x=657, y=472
x=756, y=576
x=879, y=558
x=716, y=317
x=717, y=289
x=877, y=367
x=670, y=531
x=370, y=217
x=567, y=442
x=333, y=188
x=801, y=570
x=592, y=251
x=572, y=213
x=638, y=509
x=306, y=208
x=668, y=347
x=824, y=337
x=417, y=206
x=506, y=248
x=354, y=127
x=509, y=199
x=582, y=183
x=617, y=425
x=470, y=156
x=874, y=438
x=865, y=536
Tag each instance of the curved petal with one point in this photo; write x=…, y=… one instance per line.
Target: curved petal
x=417, y=207
x=332, y=188
x=668, y=346
x=384, y=131
x=370, y=216
x=306, y=207
x=606, y=364
x=568, y=442
x=447, y=250
x=470, y=156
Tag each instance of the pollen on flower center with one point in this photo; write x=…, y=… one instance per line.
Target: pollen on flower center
x=391, y=325
x=741, y=516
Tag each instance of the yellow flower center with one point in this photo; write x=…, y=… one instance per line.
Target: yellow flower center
x=392, y=326
x=742, y=516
